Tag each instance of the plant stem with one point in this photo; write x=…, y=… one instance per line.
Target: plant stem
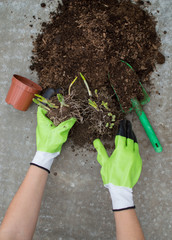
x=86, y=84
x=61, y=100
x=71, y=85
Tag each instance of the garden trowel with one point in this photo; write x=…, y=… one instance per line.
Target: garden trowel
x=137, y=107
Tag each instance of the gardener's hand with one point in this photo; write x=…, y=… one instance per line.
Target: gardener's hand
x=49, y=139
x=121, y=171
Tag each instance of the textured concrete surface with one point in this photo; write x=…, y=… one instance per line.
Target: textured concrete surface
x=75, y=204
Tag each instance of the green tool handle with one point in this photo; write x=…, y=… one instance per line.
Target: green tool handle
x=150, y=132
x=146, y=125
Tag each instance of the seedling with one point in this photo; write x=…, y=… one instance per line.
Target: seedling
x=111, y=125
x=113, y=118
x=69, y=90
x=90, y=102
x=41, y=101
x=86, y=84
x=105, y=105
x=93, y=104
x=61, y=100
x=40, y=104
x=96, y=93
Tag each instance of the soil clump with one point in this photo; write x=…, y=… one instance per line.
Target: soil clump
x=91, y=36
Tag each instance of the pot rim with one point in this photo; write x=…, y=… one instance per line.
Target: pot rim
x=26, y=84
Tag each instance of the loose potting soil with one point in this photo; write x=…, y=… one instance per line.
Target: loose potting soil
x=91, y=37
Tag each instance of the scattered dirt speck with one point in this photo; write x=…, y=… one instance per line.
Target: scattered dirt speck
x=160, y=58
x=158, y=93
x=31, y=68
x=43, y=5
x=140, y=2
x=44, y=24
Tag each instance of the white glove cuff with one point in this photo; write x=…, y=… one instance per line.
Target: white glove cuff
x=44, y=159
x=122, y=197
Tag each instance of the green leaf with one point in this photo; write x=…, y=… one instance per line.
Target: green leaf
x=40, y=104
x=96, y=93
x=113, y=118
x=111, y=125
x=93, y=104
x=60, y=97
x=105, y=105
x=41, y=98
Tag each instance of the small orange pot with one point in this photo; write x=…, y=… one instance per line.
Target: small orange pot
x=22, y=92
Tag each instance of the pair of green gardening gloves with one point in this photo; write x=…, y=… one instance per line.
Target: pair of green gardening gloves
x=120, y=172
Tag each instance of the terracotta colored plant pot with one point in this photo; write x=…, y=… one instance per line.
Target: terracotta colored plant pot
x=21, y=92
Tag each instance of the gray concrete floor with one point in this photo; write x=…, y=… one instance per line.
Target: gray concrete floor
x=75, y=203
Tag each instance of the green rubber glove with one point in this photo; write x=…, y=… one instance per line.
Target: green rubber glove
x=121, y=171
x=49, y=139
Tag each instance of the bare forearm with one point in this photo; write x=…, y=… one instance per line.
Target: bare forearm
x=21, y=217
x=128, y=226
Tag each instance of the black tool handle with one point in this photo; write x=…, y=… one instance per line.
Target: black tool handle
x=50, y=92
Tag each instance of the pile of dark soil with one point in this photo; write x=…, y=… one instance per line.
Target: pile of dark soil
x=91, y=36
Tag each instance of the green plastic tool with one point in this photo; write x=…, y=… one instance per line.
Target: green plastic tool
x=137, y=106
